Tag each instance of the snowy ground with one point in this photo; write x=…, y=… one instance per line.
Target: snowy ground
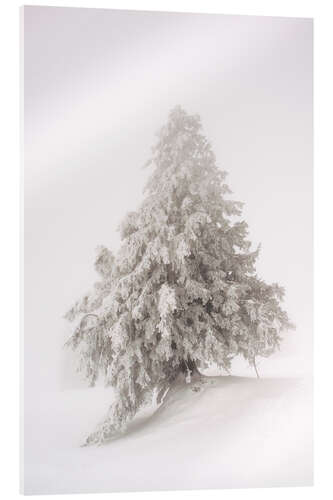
x=236, y=432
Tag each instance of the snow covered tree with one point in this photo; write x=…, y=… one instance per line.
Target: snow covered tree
x=181, y=293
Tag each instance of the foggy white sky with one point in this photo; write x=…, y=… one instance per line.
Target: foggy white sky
x=98, y=84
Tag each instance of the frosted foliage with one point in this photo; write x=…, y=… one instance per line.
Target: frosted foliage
x=182, y=251
x=167, y=301
x=181, y=292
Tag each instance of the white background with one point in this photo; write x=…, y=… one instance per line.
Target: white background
x=10, y=213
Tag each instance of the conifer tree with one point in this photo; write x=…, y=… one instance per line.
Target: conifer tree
x=181, y=293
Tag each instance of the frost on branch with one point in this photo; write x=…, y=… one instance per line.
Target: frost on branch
x=181, y=293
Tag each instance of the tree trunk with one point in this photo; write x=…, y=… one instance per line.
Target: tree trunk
x=255, y=367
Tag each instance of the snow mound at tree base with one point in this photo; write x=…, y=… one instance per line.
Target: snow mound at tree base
x=234, y=432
